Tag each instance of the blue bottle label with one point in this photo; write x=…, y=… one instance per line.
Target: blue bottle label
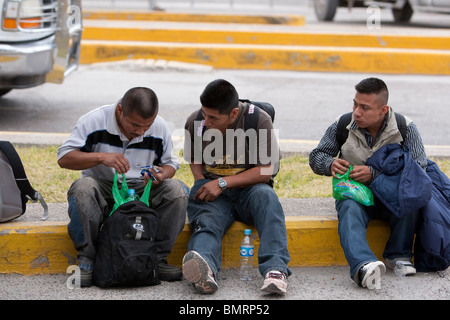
x=247, y=251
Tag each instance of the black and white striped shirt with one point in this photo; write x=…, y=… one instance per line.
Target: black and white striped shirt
x=97, y=131
x=321, y=158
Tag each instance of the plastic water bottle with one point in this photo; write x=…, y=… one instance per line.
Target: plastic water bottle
x=247, y=251
x=131, y=195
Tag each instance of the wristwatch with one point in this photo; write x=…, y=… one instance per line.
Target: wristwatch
x=222, y=184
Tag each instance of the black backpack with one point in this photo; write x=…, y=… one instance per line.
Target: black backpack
x=126, y=248
x=344, y=121
x=15, y=189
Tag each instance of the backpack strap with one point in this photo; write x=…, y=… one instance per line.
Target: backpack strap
x=344, y=121
x=251, y=118
x=401, y=124
x=20, y=176
x=341, y=131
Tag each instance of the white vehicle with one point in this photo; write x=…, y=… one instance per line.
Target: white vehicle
x=401, y=9
x=39, y=41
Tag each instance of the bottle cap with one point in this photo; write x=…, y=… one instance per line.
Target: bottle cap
x=247, y=232
x=131, y=191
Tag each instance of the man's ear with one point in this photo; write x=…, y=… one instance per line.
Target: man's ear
x=234, y=113
x=119, y=109
x=384, y=109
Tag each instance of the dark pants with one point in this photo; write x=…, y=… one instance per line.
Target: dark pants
x=91, y=201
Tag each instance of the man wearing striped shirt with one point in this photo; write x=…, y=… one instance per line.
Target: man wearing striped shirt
x=373, y=125
x=122, y=137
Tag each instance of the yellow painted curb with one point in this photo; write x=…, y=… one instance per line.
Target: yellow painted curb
x=265, y=57
x=191, y=17
x=35, y=248
x=290, y=38
x=45, y=247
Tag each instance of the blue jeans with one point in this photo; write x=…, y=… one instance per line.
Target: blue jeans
x=353, y=221
x=256, y=205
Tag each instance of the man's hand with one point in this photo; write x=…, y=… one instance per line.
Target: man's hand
x=159, y=176
x=209, y=191
x=361, y=174
x=116, y=161
x=339, y=166
x=79, y=160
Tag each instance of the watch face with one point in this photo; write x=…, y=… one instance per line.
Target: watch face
x=222, y=183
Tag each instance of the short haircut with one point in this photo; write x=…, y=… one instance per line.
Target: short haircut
x=220, y=95
x=140, y=100
x=376, y=86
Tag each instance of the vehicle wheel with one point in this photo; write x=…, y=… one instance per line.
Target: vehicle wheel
x=404, y=14
x=4, y=91
x=325, y=9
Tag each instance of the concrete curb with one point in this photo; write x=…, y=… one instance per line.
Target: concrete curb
x=274, y=57
x=43, y=247
x=227, y=47
x=284, y=19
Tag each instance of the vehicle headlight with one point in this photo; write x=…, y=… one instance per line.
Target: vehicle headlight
x=28, y=14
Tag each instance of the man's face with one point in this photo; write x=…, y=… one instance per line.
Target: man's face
x=367, y=111
x=215, y=120
x=132, y=125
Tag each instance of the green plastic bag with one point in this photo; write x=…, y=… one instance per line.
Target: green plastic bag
x=121, y=195
x=347, y=188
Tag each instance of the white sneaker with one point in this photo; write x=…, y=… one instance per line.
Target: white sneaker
x=369, y=275
x=401, y=266
x=275, y=282
x=197, y=271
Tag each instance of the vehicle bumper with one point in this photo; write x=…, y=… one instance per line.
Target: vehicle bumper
x=25, y=64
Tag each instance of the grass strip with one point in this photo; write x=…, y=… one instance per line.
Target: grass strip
x=295, y=179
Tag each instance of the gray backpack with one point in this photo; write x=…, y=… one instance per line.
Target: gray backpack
x=15, y=189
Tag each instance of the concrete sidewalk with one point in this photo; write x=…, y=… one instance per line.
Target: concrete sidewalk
x=330, y=282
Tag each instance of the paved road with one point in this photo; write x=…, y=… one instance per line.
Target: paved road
x=306, y=103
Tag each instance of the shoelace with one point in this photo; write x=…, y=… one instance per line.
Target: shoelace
x=276, y=275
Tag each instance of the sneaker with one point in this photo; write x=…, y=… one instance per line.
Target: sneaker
x=275, y=282
x=168, y=272
x=85, y=278
x=402, y=265
x=197, y=271
x=369, y=275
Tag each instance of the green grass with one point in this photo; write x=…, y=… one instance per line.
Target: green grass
x=295, y=179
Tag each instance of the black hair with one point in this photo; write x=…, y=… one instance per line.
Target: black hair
x=220, y=95
x=141, y=100
x=376, y=86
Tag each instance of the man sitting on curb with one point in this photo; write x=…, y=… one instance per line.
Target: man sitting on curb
x=229, y=186
x=373, y=125
x=122, y=137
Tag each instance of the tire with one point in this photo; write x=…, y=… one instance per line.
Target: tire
x=4, y=91
x=404, y=14
x=325, y=10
